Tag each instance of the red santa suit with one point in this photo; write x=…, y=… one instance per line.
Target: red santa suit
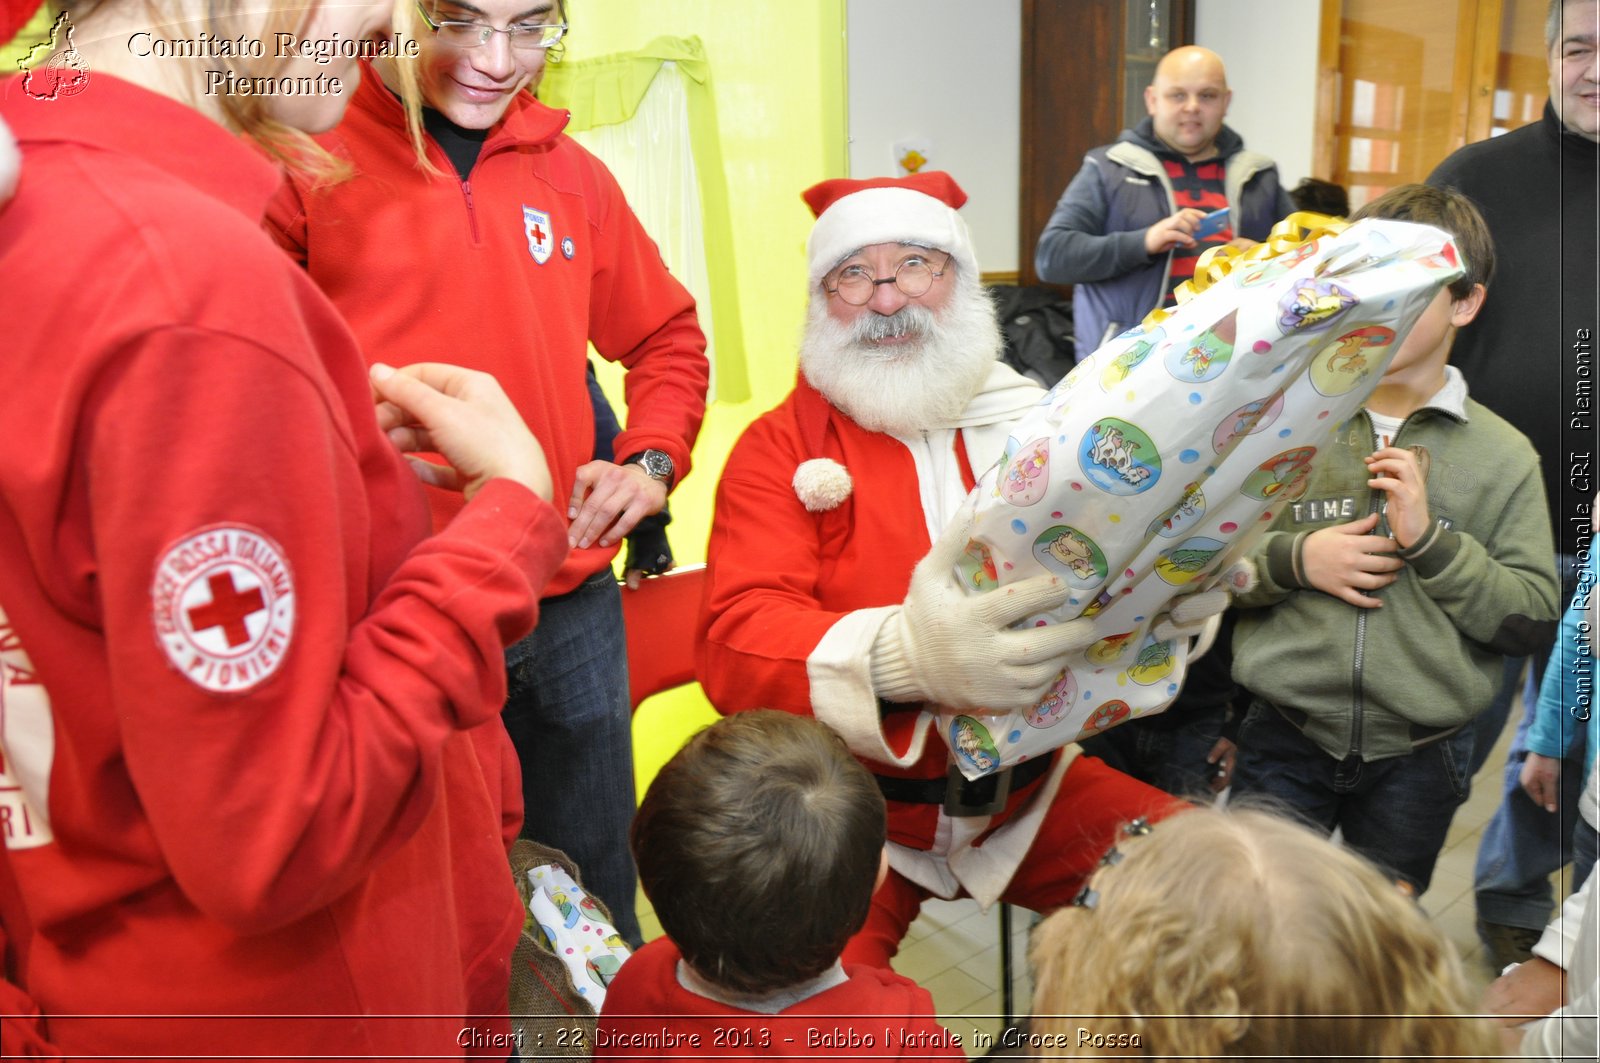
x=236, y=677
x=866, y=1012
x=799, y=588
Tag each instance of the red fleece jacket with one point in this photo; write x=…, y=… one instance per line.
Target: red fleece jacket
x=513, y=271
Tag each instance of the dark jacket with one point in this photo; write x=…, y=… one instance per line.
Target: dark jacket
x=1530, y=352
x=1095, y=237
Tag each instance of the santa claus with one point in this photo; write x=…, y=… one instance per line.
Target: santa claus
x=839, y=522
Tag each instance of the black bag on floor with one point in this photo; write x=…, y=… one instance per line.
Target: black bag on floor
x=1037, y=325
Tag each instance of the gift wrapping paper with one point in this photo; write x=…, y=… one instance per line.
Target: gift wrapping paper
x=572, y=927
x=1161, y=457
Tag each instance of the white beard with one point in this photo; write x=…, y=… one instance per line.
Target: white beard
x=908, y=387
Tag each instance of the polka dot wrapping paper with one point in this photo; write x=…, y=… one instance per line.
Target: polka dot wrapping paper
x=574, y=929
x=1161, y=458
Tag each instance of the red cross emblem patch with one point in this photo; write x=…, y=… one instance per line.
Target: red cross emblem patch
x=536, y=224
x=223, y=606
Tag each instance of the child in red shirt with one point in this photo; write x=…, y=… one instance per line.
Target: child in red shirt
x=759, y=845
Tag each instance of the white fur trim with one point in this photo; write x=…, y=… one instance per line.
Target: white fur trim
x=10, y=163
x=822, y=484
x=954, y=864
x=887, y=216
x=840, y=672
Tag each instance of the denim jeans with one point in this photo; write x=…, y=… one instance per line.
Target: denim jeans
x=568, y=715
x=1395, y=812
x=1172, y=758
x=1522, y=844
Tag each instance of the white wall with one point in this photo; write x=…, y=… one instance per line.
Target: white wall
x=1270, y=48
x=947, y=72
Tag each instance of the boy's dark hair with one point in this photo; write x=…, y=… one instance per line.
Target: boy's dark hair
x=1447, y=209
x=1324, y=197
x=758, y=845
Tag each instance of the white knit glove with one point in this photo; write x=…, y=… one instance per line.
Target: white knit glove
x=1197, y=616
x=958, y=649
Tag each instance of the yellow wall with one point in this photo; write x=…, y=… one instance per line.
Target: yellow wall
x=35, y=31
x=778, y=74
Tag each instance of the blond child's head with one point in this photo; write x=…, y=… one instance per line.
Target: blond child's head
x=1236, y=933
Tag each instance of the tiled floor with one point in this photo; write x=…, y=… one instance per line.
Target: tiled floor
x=953, y=948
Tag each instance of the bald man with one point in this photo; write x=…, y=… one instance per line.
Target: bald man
x=1126, y=232
x=1129, y=227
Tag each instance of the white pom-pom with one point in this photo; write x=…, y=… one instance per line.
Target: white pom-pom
x=821, y=484
x=10, y=163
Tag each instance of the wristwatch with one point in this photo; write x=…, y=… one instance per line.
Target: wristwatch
x=655, y=463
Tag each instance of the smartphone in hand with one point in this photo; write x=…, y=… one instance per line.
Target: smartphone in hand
x=1211, y=224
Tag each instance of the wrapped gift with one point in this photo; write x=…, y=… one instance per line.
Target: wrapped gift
x=1161, y=458
x=576, y=931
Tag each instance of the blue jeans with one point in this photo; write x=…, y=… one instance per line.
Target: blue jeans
x=1522, y=844
x=1395, y=812
x=568, y=715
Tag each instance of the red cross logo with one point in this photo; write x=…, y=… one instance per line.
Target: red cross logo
x=228, y=609
x=537, y=233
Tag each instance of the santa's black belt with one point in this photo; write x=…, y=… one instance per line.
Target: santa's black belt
x=962, y=796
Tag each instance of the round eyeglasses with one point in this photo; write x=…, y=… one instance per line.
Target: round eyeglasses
x=913, y=277
x=523, y=36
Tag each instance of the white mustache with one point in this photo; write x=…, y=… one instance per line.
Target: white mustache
x=907, y=321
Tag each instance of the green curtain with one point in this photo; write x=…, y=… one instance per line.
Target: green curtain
x=607, y=90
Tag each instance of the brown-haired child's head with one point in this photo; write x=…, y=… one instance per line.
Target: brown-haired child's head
x=1447, y=209
x=759, y=846
x=1426, y=347
x=1232, y=933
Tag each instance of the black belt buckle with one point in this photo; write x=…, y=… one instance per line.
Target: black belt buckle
x=976, y=797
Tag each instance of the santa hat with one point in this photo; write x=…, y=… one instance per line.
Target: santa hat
x=916, y=209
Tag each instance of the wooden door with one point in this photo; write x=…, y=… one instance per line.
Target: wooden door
x=1084, y=67
x=1406, y=82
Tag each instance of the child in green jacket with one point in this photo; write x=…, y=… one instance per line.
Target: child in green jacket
x=1417, y=558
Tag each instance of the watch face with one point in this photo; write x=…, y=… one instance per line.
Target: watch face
x=656, y=464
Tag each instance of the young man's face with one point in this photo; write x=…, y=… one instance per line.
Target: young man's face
x=473, y=86
x=1187, y=101
x=1575, y=69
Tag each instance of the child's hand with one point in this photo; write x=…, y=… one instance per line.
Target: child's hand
x=1347, y=560
x=1397, y=473
x=1541, y=779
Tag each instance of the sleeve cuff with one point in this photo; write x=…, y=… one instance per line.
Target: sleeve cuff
x=892, y=678
x=843, y=695
x=1284, y=561
x=1433, y=553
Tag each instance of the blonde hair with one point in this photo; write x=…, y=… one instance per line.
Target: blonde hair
x=408, y=21
x=249, y=114
x=1234, y=933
